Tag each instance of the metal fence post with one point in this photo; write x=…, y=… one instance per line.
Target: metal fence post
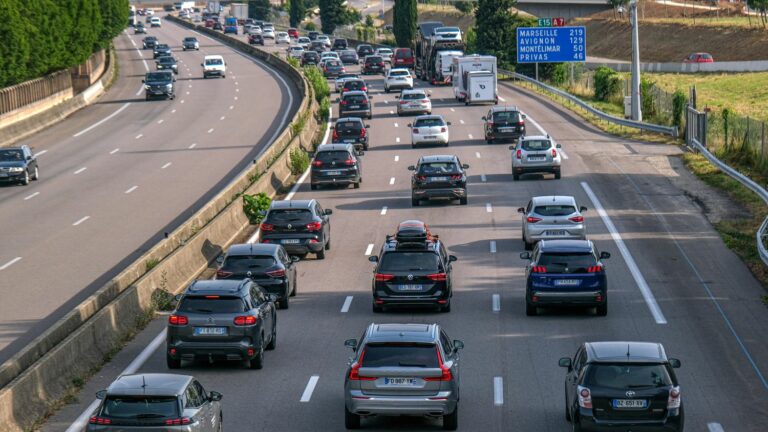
x=762, y=141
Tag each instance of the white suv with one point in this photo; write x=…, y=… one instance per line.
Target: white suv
x=214, y=65
x=398, y=78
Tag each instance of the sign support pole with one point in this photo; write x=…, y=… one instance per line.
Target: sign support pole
x=537, y=71
x=637, y=114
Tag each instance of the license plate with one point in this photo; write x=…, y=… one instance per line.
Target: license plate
x=429, y=137
x=567, y=282
x=554, y=233
x=349, y=140
x=407, y=382
x=410, y=287
x=438, y=179
x=537, y=158
x=333, y=173
x=506, y=129
x=354, y=107
x=630, y=403
x=210, y=331
x=290, y=241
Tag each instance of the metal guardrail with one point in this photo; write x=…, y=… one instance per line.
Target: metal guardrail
x=666, y=130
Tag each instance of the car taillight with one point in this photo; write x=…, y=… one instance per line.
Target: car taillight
x=245, y=320
x=403, y=102
x=362, y=133
x=266, y=227
x=221, y=274
x=365, y=89
x=456, y=177
x=343, y=69
x=554, y=153
x=178, y=421
x=674, y=398
x=343, y=102
x=446, y=374
x=443, y=129
x=490, y=124
x=425, y=101
x=381, y=277
x=415, y=130
x=519, y=154
x=577, y=219
x=314, y=226
x=276, y=273
x=99, y=420
x=179, y=320
x=349, y=162
x=594, y=269
x=317, y=163
x=420, y=178
x=521, y=122
x=532, y=219
x=381, y=64
x=438, y=277
x=538, y=269
x=585, y=397
x=335, y=135
x=354, y=371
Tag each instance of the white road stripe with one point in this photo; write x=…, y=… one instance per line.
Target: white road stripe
x=237, y=90
x=470, y=136
x=396, y=125
x=493, y=246
x=461, y=121
x=210, y=130
x=31, y=196
x=131, y=189
x=231, y=107
x=397, y=140
x=477, y=154
x=139, y=136
x=81, y=220
x=483, y=178
x=397, y=158
x=41, y=152
x=391, y=112
x=496, y=303
x=187, y=93
x=114, y=151
x=10, y=263
x=715, y=427
x=488, y=207
x=369, y=249
x=502, y=99
x=307, y=395
x=562, y=153
x=237, y=83
x=346, y=305
x=100, y=122
x=392, y=181
x=453, y=110
x=81, y=170
x=645, y=290
x=173, y=111
x=166, y=165
x=386, y=102
x=192, y=145
x=235, y=97
x=384, y=210
x=498, y=391
x=222, y=117
x=182, y=101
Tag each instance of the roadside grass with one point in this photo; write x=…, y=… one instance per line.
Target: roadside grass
x=711, y=21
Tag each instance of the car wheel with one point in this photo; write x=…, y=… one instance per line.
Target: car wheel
x=172, y=362
x=25, y=180
x=223, y=76
x=488, y=141
x=557, y=175
x=414, y=202
x=257, y=362
x=328, y=244
x=376, y=308
x=351, y=420
x=576, y=426
x=273, y=342
x=36, y=176
x=463, y=201
x=205, y=76
x=446, y=308
x=515, y=177
x=526, y=244
x=602, y=310
x=451, y=421
x=357, y=185
x=313, y=186
x=146, y=97
x=321, y=254
x=283, y=304
x=386, y=89
x=295, y=289
x=567, y=411
x=531, y=310
x=399, y=114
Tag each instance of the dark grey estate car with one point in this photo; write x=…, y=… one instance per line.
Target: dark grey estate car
x=159, y=84
x=18, y=165
x=156, y=403
x=301, y=226
x=336, y=164
x=222, y=320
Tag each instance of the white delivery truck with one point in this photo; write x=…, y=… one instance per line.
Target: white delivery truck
x=443, y=65
x=463, y=65
x=481, y=87
x=239, y=11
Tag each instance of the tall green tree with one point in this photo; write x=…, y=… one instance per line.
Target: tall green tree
x=15, y=48
x=496, y=27
x=259, y=9
x=84, y=34
x=114, y=14
x=297, y=12
x=405, y=16
x=332, y=14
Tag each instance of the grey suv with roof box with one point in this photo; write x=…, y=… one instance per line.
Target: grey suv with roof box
x=156, y=402
x=301, y=226
x=222, y=320
x=336, y=164
x=403, y=369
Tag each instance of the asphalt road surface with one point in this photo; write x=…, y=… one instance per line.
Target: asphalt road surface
x=671, y=279
x=116, y=175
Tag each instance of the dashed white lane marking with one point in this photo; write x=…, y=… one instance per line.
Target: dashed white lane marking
x=237, y=83
x=182, y=101
x=102, y=121
x=461, y=121
x=28, y=197
x=231, y=107
x=160, y=121
x=222, y=117
x=713, y=427
x=384, y=210
x=81, y=220
x=173, y=111
x=386, y=102
x=307, y=395
x=502, y=99
x=397, y=158
x=493, y=246
x=483, y=178
x=10, y=263
x=470, y=136
x=346, y=305
x=132, y=42
x=369, y=249
x=114, y=151
x=396, y=125
x=453, y=110
x=210, y=130
x=166, y=165
x=235, y=97
x=392, y=180
x=192, y=146
x=81, y=170
x=237, y=90
x=496, y=303
x=397, y=139
x=391, y=112
x=41, y=152
x=187, y=93
x=477, y=154
x=488, y=207
x=498, y=391
x=131, y=189
x=645, y=290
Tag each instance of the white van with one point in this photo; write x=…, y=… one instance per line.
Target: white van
x=214, y=65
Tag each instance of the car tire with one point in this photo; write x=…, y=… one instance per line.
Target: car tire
x=36, y=175
x=557, y=175
x=531, y=310
x=312, y=186
x=328, y=244
x=451, y=421
x=25, y=180
x=488, y=141
x=415, y=202
x=446, y=308
x=446, y=144
x=146, y=97
x=320, y=255
x=386, y=89
x=567, y=411
x=295, y=289
x=273, y=342
x=463, y=201
x=527, y=245
x=283, y=304
x=576, y=425
x=356, y=185
x=602, y=310
x=376, y=308
x=351, y=420
x=258, y=361
x=515, y=177
x=172, y=362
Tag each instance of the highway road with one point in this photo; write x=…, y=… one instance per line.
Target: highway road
x=116, y=175
x=672, y=280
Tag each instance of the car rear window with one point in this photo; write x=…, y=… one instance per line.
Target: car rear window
x=166, y=59
x=400, y=355
x=413, y=96
x=506, y=116
x=429, y=122
x=162, y=46
x=373, y=59
x=157, y=76
x=566, y=262
x=348, y=126
x=332, y=63
x=243, y=263
x=403, y=53
x=212, y=304
x=332, y=156
x=536, y=145
x=399, y=73
x=627, y=376
x=437, y=168
x=706, y=56
x=213, y=61
x=355, y=98
x=140, y=407
x=353, y=85
x=554, y=210
x=409, y=261
x=289, y=215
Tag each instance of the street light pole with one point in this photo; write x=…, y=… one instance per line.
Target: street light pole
x=637, y=114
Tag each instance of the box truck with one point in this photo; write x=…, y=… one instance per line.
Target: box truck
x=239, y=11
x=443, y=65
x=462, y=66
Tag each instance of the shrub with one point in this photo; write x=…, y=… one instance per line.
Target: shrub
x=318, y=82
x=647, y=96
x=325, y=106
x=607, y=83
x=256, y=206
x=293, y=62
x=299, y=161
x=310, y=26
x=679, y=101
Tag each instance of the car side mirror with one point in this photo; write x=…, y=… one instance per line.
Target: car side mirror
x=605, y=255
x=273, y=297
x=143, y=81
x=351, y=343
x=511, y=147
x=409, y=125
x=558, y=146
x=582, y=209
x=220, y=259
x=565, y=362
x=367, y=126
x=215, y=396
x=295, y=259
x=524, y=116
x=373, y=258
x=457, y=345
x=521, y=210
x=411, y=168
x=397, y=97
x=448, y=123
x=29, y=157
x=201, y=64
x=465, y=166
x=359, y=153
x=483, y=118
x=328, y=212
x=174, y=80
x=177, y=297
x=452, y=258
x=675, y=363
x=525, y=255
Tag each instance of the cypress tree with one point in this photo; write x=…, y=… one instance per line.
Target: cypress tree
x=297, y=12
x=15, y=49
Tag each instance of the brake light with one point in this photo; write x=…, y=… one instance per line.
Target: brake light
x=420, y=178
x=349, y=162
x=532, y=219
x=456, y=177
x=317, y=163
x=99, y=420
x=438, y=277
x=403, y=102
x=266, y=227
x=442, y=129
x=674, y=400
x=519, y=154
x=585, y=397
x=343, y=102
x=245, y=320
x=380, y=277
x=365, y=89
x=354, y=371
x=446, y=374
x=381, y=64
x=221, y=274
x=490, y=124
x=178, y=421
x=554, y=153
x=594, y=269
x=314, y=226
x=179, y=320
x=577, y=219
x=521, y=122
x=362, y=133
x=538, y=269
x=276, y=273
x=335, y=135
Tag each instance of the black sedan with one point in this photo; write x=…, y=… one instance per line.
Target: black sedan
x=167, y=63
x=18, y=165
x=161, y=50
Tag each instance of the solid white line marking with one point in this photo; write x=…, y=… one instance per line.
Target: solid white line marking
x=502, y=99
x=461, y=121
x=562, y=153
x=10, y=263
x=81, y=170
x=470, y=137
x=477, y=154
x=391, y=112
x=397, y=140
x=396, y=125
x=41, y=152
x=81, y=220
x=166, y=165
x=102, y=120
x=453, y=110
x=493, y=246
x=483, y=178
x=392, y=181
x=131, y=189
x=397, y=158
x=645, y=290
x=222, y=117
x=210, y=130
x=384, y=210
x=346, y=305
x=496, y=303
x=369, y=249
x=36, y=194
x=715, y=427
x=498, y=391
x=114, y=151
x=307, y=395
x=139, y=136
x=192, y=146
x=488, y=207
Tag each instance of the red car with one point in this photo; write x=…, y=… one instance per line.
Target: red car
x=294, y=33
x=209, y=23
x=699, y=57
x=403, y=58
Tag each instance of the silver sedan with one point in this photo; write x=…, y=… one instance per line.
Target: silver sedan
x=535, y=154
x=552, y=217
x=414, y=101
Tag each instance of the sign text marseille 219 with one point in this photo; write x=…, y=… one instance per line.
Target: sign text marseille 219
x=551, y=44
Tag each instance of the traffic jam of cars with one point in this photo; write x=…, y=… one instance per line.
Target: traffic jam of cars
x=411, y=367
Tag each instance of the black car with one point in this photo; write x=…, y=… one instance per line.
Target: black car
x=301, y=226
x=167, y=63
x=439, y=176
x=266, y=264
x=412, y=269
x=373, y=64
x=355, y=104
x=351, y=130
x=310, y=58
x=503, y=123
x=161, y=50
x=339, y=44
x=364, y=50
x=139, y=28
x=256, y=39
x=190, y=43
x=18, y=165
x=159, y=84
x=222, y=320
x=313, y=35
x=217, y=26
x=149, y=42
x=336, y=164
x=316, y=46
x=349, y=57
x=622, y=386
x=354, y=84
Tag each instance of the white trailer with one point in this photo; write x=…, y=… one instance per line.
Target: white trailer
x=481, y=87
x=463, y=65
x=239, y=11
x=443, y=65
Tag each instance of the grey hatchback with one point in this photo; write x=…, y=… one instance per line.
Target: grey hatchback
x=403, y=369
x=156, y=403
x=336, y=164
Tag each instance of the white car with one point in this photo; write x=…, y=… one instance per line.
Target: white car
x=339, y=83
x=325, y=40
x=429, y=129
x=256, y=30
x=447, y=33
x=304, y=42
x=397, y=78
x=295, y=51
x=149, y=12
x=155, y=22
x=329, y=55
x=268, y=33
x=282, y=37
x=214, y=65
x=385, y=53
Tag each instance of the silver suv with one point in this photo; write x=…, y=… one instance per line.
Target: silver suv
x=156, y=403
x=552, y=217
x=403, y=369
x=535, y=154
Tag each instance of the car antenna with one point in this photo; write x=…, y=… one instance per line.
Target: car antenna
x=143, y=382
x=627, y=351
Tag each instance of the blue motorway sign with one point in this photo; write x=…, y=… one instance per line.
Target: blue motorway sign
x=551, y=44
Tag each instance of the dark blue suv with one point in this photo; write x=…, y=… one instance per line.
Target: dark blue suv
x=565, y=273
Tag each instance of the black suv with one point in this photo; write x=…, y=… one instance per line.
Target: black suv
x=160, y=84
x=313, y=35
x=224, y=320
x=373, y=64
x=622, y=386
x=353, y=84
x=351, y=130
x=439, y=176
x=301, y=226
x=256, y=39
x=167, y=63
x=412, y=269
x=18, y=165
x=310, y=58
x=336, y=164
x=364, y=50
x=149, y=42
x=266, y=264
x=339, y=44
x=161, y=50
x=503, y=123
x=355, y=103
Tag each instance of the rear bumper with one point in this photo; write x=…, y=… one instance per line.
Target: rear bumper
x=400, y=85
x=454, y=193
x=670, y=424
x=439, y=404
x=524, y=169
x=566, y=298
x=440, y=298
x=570, y=235
x=414, y=109
x=218, y=351
x=213, y=73
x=355, y=113
x=437, y=140
x=304, y=246
x=505, y=135
x=326, y=180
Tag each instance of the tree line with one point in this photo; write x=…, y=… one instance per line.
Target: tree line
x=43, y=36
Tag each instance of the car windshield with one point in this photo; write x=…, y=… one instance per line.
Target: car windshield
x=214, y=61
x=248, y=262
x=345, y=76
x=162, y=46
x=303, y=40
x=627, y=376
x=554, y=210
x=536, y=145
x=429, y=122
x=289, y=215
x=400, y=355
x=399, y=73
x=157, y=76
x=506, y=116
x=297, y=48
x=332, y=63
x=706, y=56
x=402, y=261
x=355, y=98
x=349, y=127
x=437, y=168
x=373, y=59
x=386, y=51
x=212, y=304
x=11, y=155
x=413, y=96
x=140, y=407
x=447, y=30
x=150, y=39
x=567, y=262
x=353, y=84
x=190, y=39
x=332, y=156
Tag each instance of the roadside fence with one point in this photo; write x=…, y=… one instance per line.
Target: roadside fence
x=29, y=92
